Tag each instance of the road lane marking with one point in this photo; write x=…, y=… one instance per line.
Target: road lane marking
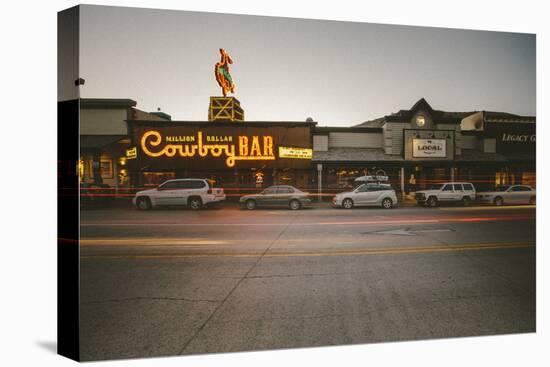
x=384, y=222
x=489, y=207
x=348, y=252
x=152, y=241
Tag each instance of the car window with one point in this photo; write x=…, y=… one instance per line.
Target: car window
x=502, y=188
x=363, y=188
x=197, y=184
x=169, y=185
x=448, y=188
x=284, y=190
x=183, y=184
x=270, y=191
x=520, y=188
x=468, y=187
x=457, y=187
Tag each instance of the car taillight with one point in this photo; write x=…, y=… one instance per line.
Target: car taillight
x=210, y=191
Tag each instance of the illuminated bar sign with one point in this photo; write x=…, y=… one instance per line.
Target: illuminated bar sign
x=298, y=153
x=181, y=146
x=257, y=148
x=190, y=145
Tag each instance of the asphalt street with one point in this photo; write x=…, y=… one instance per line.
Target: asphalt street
x=176, y=281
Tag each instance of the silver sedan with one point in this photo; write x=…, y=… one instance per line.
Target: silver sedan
x=508, y=194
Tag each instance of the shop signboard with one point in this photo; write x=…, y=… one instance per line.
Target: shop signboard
x=296, y=153
x=131, y=153
x=429, y=148
x=199, y=146
x=513, y=137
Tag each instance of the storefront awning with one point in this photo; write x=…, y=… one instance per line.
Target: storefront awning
x=377, y=155
x=472, y=155
x=354, y=155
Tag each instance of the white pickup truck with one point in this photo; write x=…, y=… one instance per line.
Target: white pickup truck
x=191, y=192
x=448, y=192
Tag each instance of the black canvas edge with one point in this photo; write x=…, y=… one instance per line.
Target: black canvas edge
x=68, y=198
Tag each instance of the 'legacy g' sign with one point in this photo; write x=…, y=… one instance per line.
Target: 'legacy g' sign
x=426, y=148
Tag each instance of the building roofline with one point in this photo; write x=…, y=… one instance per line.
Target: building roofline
x=224, y=123
x=107, y=102
x=352, y=129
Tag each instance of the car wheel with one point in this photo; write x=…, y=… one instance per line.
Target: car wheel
x=347, y=204
x=432, y=202
x=387, y=203
x=195, y=203
x=532, y=200
x=294, y=204
x=498, y=201
x=250, y=204
x=466, y=201
x=143, y=203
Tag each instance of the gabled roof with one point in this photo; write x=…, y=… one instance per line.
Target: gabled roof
x=438, y=116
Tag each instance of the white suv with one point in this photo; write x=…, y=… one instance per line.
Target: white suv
x=191, y=192
x=367, y=195
x=463, y=192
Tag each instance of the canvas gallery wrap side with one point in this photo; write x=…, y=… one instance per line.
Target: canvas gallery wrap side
x=235, y=183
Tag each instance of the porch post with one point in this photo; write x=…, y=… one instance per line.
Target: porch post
x=319, y=181
x=403, y=182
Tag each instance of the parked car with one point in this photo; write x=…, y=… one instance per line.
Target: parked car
x=367, y=195
x=449, y=192
x=277, y=196
x=508, y=194
x=191, y=192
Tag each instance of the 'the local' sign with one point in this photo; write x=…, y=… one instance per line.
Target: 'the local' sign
x=429, y=148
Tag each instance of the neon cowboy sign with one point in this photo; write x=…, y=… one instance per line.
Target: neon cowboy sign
x=233, y=149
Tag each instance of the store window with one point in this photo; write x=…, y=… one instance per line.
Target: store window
x=156, y=178
x=529, y=178
x=500, y=178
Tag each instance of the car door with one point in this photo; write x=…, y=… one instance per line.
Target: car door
x=446, y=193
x=282, y=197
x=167, y=193
x=458, y=192
x=469, y=190
x=361, y=195
x=521, y=194
x=373, y=195
x=185, y=189
x=267, y=197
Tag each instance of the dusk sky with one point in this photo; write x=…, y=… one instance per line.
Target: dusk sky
x=338, y=73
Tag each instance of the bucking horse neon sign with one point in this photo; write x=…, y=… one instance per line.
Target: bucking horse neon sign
x=223, y=77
